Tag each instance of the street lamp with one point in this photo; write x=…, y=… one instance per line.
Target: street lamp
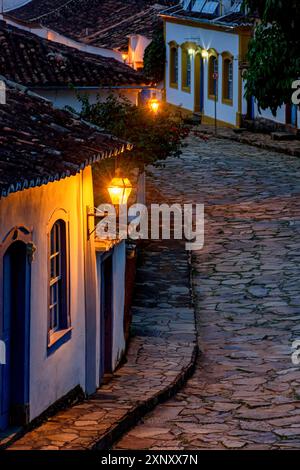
x=119, y=190
x=204, y=54
x=154, y=105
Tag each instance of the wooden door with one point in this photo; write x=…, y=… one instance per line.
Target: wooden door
x=106, y=323
x=14, y=376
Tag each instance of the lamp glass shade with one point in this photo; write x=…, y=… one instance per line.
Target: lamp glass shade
x=119, y=190
x=154, y=105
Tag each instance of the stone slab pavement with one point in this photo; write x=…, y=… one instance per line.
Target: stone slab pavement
x=257, y=139
x=245, y=393
x=161, y=356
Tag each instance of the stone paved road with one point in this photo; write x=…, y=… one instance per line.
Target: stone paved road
x=245, y=392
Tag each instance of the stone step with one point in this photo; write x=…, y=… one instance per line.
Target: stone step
x=193, y=119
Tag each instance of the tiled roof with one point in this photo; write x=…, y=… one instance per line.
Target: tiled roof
x=145, y=23
x=103, y=23
x=238, y=19
x=40, y=144
x=231, y=19
x=28, y=59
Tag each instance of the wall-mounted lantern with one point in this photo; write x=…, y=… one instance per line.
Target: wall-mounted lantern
x=119, y=190
x=154, y=105
x=204, y=54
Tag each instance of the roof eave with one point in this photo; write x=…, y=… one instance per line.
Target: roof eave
x=232, y=26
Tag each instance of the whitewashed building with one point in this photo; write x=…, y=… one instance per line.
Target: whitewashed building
x=207, y=44
x=61, y=73
x=206, y=47
x=61, y=291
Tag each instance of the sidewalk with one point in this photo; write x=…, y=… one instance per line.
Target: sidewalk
x=160, y=358
x=264, y=141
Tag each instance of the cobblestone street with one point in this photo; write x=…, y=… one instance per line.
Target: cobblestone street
x=245, y=391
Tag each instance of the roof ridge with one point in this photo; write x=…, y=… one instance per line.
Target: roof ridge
x=31, y=20
x=125, y=20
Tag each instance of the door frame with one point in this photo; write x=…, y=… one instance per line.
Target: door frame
x=24, y=235
x=106, y=344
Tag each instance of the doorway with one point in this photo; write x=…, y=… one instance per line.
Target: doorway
x=291, y=115
x=106, y=323
x=251, y=108
x=15, y=328
x=199, y=84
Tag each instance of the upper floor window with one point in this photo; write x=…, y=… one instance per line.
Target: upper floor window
x=227, y=79
x=213, y=74
x=58, y=288
x=173, y=65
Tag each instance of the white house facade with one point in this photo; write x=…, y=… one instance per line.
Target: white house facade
x=206, y=44
x=204, y=64
x=61, y=296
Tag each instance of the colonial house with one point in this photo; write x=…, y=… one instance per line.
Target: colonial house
x=61, y=290
x=59, y=73
x=126, y=26
x=206, y=46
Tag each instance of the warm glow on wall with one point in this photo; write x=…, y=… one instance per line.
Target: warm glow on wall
x=119, y=190
x=124, y=57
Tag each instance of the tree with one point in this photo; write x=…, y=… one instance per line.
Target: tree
x=155, y=58
x=274, y=52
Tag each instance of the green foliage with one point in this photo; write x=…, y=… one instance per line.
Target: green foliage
x=274, y=52
x=154, y=137
x=155, y=58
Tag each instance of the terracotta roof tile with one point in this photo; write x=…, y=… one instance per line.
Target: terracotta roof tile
x=89, y=20
x=40, y=144
x=28, y=59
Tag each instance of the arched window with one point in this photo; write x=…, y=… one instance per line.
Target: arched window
x=173, y=65
x=213, y=75
x=58, y=279
x=186, y=68
x=227, y=79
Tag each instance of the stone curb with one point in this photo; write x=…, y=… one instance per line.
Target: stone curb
x=221, y=134
x=142, y=408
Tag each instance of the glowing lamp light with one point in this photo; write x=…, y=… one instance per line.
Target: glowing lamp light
x=124, y=57
x=154, y=105
x=119, y=190
x=204, y=54
x=191, y=51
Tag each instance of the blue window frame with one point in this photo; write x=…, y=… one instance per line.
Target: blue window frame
x=59, y=318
